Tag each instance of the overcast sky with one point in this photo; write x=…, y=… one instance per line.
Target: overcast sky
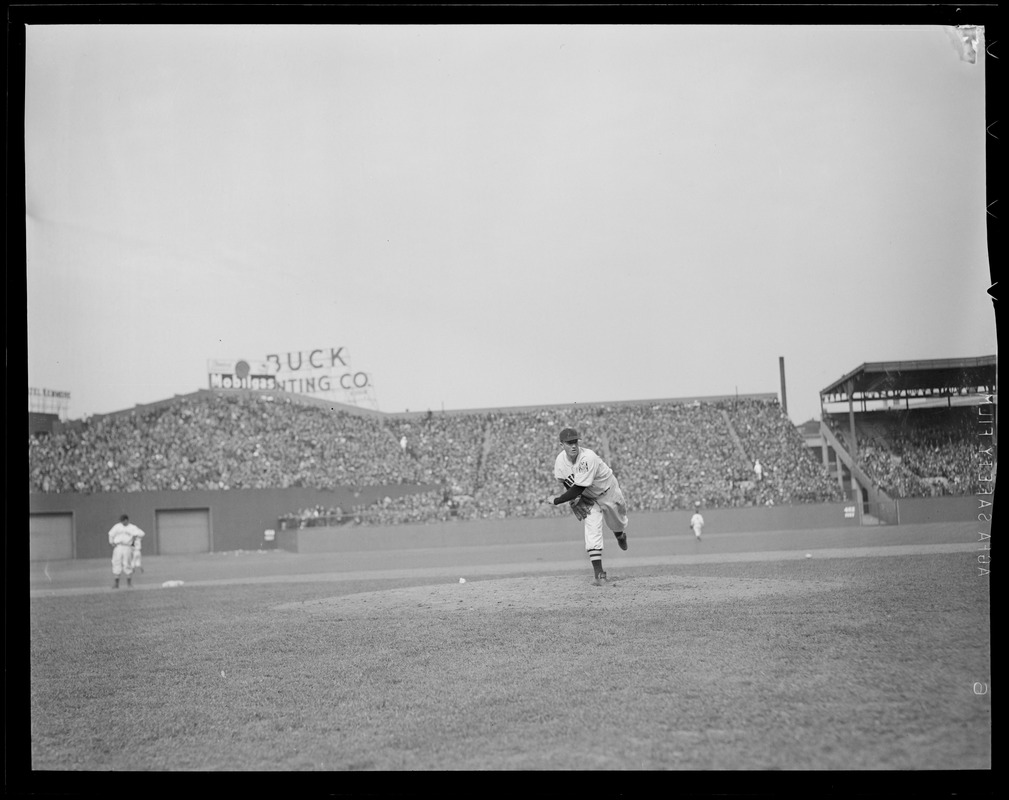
x=506, y=215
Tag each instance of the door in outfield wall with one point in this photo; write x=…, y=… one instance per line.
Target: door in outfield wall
x=52, y=537
x=183, y=531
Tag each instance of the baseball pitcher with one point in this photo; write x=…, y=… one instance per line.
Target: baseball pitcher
x=594, y=494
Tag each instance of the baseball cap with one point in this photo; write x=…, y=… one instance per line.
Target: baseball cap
x=569, y=435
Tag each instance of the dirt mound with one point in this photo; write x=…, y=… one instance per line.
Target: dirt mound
x=556, y=592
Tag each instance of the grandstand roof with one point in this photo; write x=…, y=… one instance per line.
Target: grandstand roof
x=269, y=394
x=761, y=396
x=367, y=412
x=879, y=379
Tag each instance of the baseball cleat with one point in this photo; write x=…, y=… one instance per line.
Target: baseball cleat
x=622, y=540
x=600, y=579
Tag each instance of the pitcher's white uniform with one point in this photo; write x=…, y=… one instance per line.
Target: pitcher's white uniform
x=697, y=522
x=590, y=471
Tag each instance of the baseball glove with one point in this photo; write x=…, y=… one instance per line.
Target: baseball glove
x=580, y=507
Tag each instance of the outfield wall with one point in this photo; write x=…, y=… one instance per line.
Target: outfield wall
x=481, y=533
x=914, y=510
x=237, y=520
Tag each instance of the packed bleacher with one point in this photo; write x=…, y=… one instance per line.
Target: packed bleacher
x=485, y=465
x=218, y=442
x=923, y=452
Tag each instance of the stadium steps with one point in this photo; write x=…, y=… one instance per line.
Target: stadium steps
x=735, y=437
x=485, y=451
x=876, y=494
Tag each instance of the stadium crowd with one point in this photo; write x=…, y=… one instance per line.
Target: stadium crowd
x=917, y=452
x=485, y=465
x=219, y=442
x=790, y=475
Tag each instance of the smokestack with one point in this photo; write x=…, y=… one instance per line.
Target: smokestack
x=784, y=396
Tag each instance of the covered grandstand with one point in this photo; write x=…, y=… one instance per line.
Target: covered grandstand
x=902, y=429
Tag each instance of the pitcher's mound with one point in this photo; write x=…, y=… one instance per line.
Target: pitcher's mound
x=544, y=592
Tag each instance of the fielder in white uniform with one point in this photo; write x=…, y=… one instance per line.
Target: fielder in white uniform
x=697, y=522
x=122, y=536
x=594, y=494
x=138, y=564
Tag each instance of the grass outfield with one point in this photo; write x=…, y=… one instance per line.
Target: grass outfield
x=862, y=663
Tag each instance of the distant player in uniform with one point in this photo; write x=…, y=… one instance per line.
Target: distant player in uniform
x=594, y=494
x=122, y=536
x=697, y=521
x=138, y=564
